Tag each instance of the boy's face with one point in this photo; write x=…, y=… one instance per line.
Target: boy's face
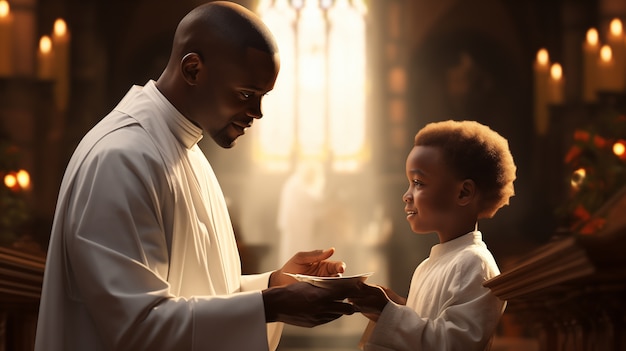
x=431, y=199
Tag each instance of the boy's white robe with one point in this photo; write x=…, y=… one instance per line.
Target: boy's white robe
x=448, y=308
x=142, y=254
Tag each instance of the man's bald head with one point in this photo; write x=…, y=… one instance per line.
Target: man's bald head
x=210, y=26
x=223, y=61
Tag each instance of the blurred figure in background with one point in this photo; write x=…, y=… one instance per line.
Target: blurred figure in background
x=300, y=209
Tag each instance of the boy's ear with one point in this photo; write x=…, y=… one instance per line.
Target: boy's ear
x=467, y=192
x=190, y=66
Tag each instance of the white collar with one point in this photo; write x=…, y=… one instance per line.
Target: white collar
x=186, y=131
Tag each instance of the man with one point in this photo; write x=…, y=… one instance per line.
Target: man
x=142, y=254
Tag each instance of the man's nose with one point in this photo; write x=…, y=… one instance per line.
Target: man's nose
x=254, y=110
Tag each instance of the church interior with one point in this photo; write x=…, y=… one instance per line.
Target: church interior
x=358, y=79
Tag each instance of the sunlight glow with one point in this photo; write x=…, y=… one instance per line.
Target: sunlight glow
x=311, y=99
x=347, y=84
x=277, y=138
x=317, y=108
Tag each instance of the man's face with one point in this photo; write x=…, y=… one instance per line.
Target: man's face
x=229, y=92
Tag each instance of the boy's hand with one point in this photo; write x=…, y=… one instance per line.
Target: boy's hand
x=370, y=300
x=400, y=300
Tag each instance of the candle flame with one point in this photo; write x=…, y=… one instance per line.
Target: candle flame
x=616, y=27
x=619, y=148
x=23, y=179
x=60, y=28
x=20, y=178
x=556, y=71
x=542, y=56
x=10, y=181
x=5, y=9
x=592, y=36
x=578, y=176
x=606, y=54
x=45, y=44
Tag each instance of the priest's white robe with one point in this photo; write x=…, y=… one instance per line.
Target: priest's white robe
x=142, y=254
x=448, y=308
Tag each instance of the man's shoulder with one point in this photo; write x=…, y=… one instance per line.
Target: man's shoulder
x=116, y=135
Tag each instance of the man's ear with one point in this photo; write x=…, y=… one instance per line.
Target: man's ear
x=467, y=192
x=190, y=66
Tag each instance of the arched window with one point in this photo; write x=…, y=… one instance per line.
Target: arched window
x=317, y=107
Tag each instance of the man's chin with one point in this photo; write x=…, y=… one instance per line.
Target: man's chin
x=225, y=143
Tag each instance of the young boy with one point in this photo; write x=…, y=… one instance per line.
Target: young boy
x=458, y=172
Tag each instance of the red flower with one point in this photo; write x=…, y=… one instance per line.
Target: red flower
x=581, y=135
x=599, y=141
x=572, y=154
x=581, y=213
x=592, y=226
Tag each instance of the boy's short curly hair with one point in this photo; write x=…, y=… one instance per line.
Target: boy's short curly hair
x=475, y=151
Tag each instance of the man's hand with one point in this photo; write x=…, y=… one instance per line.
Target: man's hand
x=309, y=263
x=306, y=305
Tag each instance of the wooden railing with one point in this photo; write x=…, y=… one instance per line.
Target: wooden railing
x=21, y=276
x=571, y=292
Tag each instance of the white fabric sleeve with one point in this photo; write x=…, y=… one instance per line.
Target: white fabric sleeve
x=466, y=322
x=252, y=282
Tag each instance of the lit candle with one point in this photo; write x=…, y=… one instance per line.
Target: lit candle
x=607, y=79
x=619, y=149
x=61, y=48
x=23, y=179
x=10, y=181
x=45, y=59
x=555, y=84
x=541, y=76
x=591, y=50
x=615, y=39
x=6, y=39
